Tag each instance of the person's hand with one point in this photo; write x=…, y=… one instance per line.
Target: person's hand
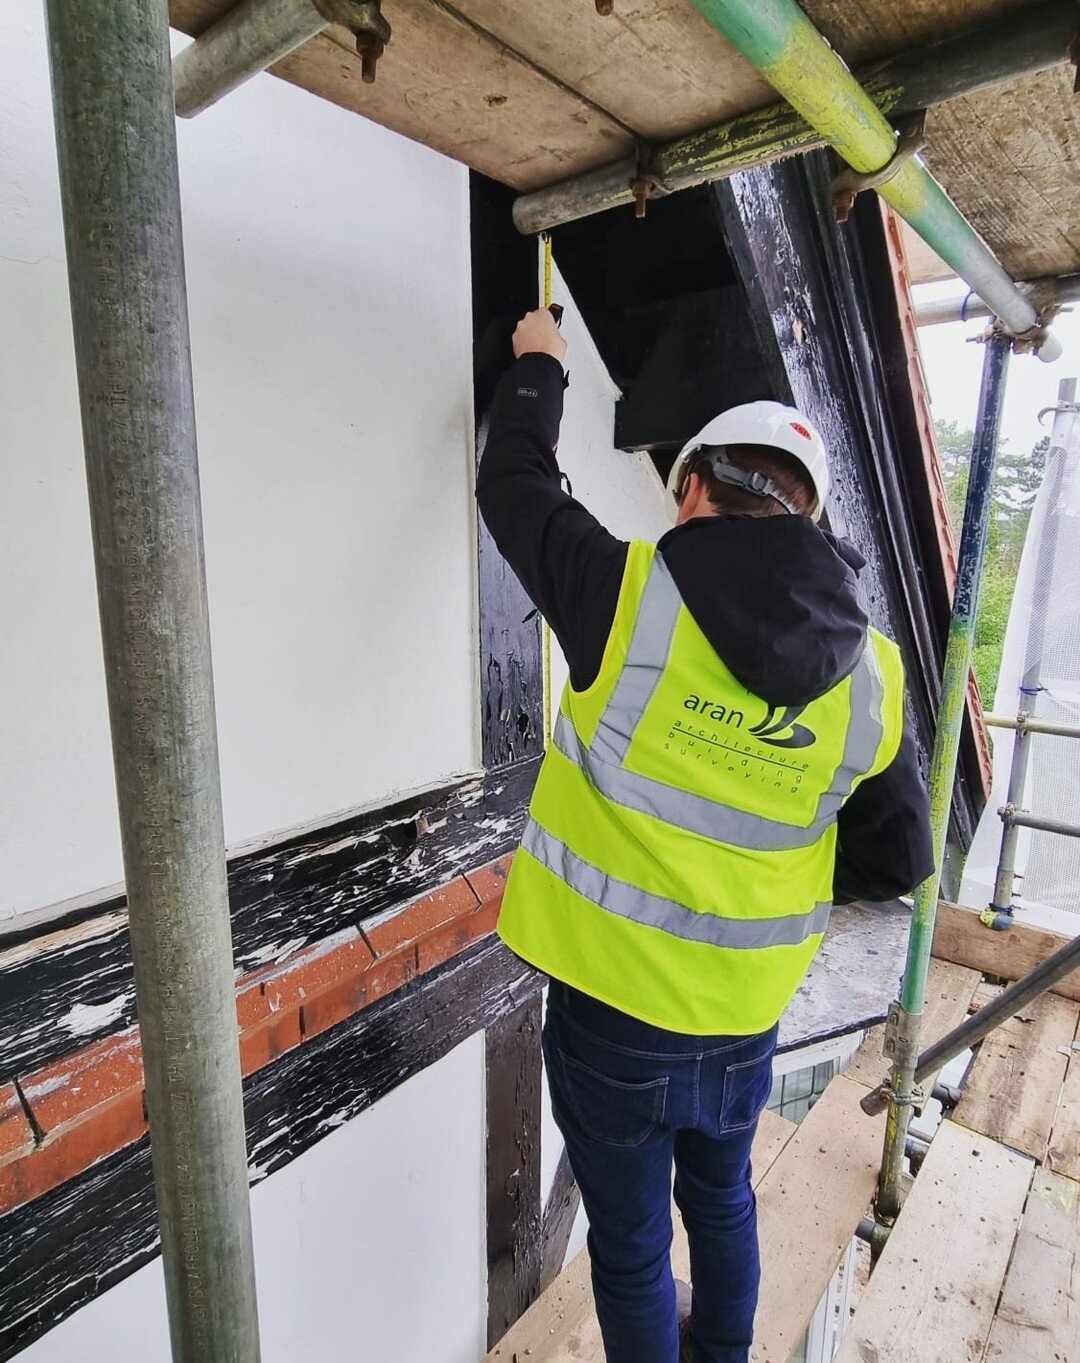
x=537, y=334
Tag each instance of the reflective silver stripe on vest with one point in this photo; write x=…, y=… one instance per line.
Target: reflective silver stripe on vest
x=650, y=645
x=654, y=911
x=603, y=761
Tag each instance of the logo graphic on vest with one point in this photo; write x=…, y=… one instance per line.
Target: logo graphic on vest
x=720, y=714
x=781, y=731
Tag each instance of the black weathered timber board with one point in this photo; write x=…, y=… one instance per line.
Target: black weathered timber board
x=560, y=1213
x=79, y=986
x=832, y=331
x=504, y=288
x=64, y=1249
x=514, y=1221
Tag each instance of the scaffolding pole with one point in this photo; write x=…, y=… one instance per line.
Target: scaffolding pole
x=905, y=1018
x=1031, y=40
x=777, y=38
x=116, y=138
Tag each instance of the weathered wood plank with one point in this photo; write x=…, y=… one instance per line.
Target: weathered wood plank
x=1038, y=1318
x=808, y=1207
x=960, y=937
x=873, y=28
x=561, y=1325
x=949, y=992
x=772, y=1136
x=661, y=69
x=1011, y=1091
x=1010, y=158
x=448, y=84
x=1063, y=1154
x=514, y=1220
x=560, y=1213
x=936, y=1285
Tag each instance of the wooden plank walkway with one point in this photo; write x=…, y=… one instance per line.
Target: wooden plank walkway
x=814, y=1183
x=561, y=1325
x=983, y=1265
x=808, y=1207
x=1012, y=1089
x=1039, y=1315
x=1063, y=1151
x=936, y=1286
x=949, y=993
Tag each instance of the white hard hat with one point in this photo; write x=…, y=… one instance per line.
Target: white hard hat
x=758, y=423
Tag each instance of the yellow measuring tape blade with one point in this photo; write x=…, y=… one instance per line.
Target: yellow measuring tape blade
x=546, y=628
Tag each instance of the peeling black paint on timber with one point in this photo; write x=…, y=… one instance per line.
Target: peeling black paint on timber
x=560, y=1213
x=505, y=285
x=514, y=1221
x=70, y=1245
x=283, y=897
x=504, y=288
x=808, y=276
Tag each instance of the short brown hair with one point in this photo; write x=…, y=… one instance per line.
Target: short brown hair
x=789, y=475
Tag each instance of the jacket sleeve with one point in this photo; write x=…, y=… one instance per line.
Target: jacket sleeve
x=883, y=846
x=570, y=566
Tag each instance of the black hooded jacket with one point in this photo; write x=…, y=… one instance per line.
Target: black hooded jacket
x=774, y=595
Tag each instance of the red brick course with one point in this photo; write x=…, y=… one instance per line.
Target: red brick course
x=89, y=1104
x=16, y=1137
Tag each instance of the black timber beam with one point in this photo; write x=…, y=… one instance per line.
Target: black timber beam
x=825, y=290
x=514, y=1222
x=504, y=287
x=66, y=1248
x=58, y=974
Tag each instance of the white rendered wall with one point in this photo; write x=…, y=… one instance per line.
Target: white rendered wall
x=328, y=285
x=369, y=1246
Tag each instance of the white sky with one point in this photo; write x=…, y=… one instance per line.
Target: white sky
x=953, y=366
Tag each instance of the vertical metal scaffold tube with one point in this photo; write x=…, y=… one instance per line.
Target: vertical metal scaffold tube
x=778, y=39
x=943, y=764
x=116, y=137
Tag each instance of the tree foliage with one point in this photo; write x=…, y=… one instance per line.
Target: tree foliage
x=1016, y=484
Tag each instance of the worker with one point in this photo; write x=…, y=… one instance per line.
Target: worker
x=730, y=758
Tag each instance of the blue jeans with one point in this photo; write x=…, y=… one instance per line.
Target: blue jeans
x=631, y=1100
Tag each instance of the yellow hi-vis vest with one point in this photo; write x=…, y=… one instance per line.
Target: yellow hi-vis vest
x=679, y=855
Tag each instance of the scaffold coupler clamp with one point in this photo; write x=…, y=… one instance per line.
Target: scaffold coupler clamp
x=993, y=916
x=901, y=1048
x=646, y=183
x=849, y=184
x=367, y=23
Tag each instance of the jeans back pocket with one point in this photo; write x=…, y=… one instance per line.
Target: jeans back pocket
x=609, y=1110
x=747, y=1085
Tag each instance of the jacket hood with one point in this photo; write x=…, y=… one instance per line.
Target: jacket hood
x=775, y=596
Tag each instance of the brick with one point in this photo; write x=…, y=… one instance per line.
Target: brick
x=341, y=1002
x=488, y=882
x=447, y=941
x=264, y=1042
x=71, y=1088
x=284, y=987
x=16, y=1137
x=73, y=1147
x=423, y=916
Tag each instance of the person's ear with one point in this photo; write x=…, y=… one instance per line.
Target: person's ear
x=693, y=491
